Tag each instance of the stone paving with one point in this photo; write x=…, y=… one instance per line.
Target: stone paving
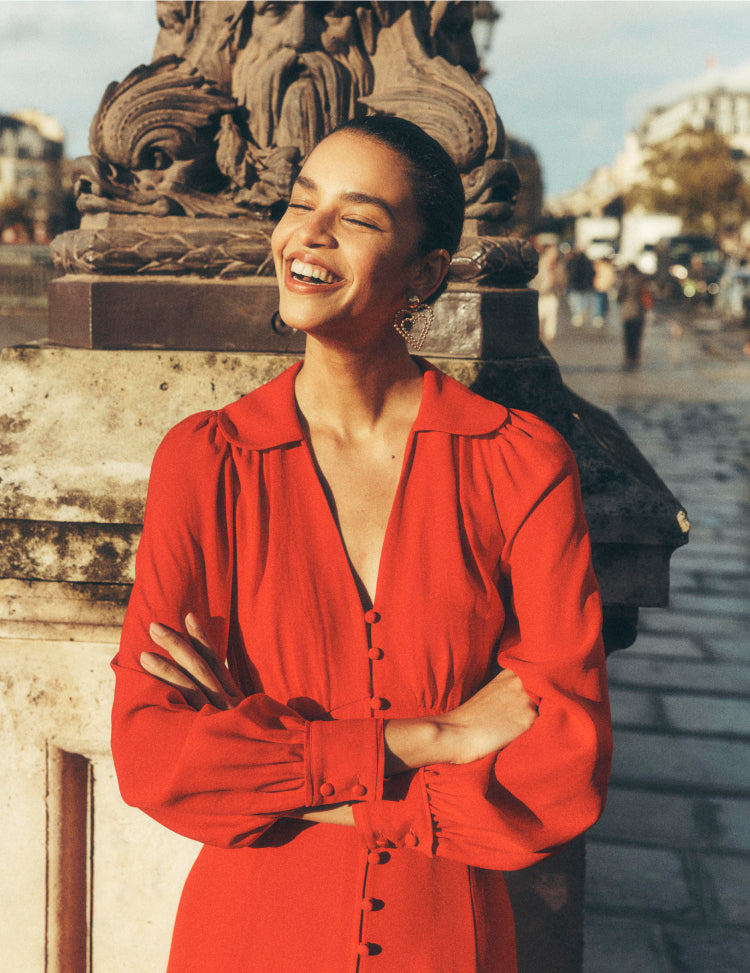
x=668, y=880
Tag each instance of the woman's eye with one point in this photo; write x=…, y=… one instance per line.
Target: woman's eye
x=359, y=222
x=299, y=206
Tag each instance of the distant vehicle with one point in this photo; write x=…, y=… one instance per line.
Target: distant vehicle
x=597, y=236
x=640, y=234
x=646, y=260
x=733, y=299
x=688, y=265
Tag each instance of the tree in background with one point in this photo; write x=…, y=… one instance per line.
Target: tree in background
x=699, y=177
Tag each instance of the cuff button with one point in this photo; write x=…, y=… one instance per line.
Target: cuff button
x=327, y=790
x=359, y=790
x=411, y=840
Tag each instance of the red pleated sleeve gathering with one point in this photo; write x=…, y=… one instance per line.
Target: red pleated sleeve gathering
x=486, y=562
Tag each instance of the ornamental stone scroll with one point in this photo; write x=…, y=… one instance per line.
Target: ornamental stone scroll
x=238, y=93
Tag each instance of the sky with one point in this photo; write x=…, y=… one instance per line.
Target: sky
x=571, y=77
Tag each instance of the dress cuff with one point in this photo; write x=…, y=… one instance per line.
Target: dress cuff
x=403, y=823
x=344, y=761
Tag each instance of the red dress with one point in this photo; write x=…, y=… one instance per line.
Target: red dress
x=486, y=560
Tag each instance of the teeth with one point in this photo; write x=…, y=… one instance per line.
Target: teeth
x=300, y=269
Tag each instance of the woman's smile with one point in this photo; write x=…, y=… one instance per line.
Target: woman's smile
x=305, y=274
x=311, y=273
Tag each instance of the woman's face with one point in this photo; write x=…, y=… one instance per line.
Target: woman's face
x=347, y=249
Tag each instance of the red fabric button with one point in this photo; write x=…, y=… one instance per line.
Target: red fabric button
x=375, y=654
x=382, y=842
x=377, y=703
x=363, y=949
x=359, y=790
x=374, y=858
x=368, y=905
x=372, y=616
x=327, y=790
x=411, y=840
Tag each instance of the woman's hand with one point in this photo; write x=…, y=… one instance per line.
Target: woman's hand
x=488, y=721
x=194, y=669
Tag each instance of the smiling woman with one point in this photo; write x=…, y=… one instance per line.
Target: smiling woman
x=362, y=658
x=347, y=250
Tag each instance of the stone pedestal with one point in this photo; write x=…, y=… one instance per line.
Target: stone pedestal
x=79, y=427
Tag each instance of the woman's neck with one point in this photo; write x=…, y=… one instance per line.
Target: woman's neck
x=351, y=392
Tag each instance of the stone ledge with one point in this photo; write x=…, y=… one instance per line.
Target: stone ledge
x=195, y=314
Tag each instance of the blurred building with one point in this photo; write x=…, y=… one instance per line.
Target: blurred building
x=32, y=199
x=528, y=209
x=722, y=111
x=704, y=109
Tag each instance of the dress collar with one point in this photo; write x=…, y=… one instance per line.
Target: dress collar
x=267, y=417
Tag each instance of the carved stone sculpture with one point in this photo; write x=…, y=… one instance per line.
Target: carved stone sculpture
x=235, y=99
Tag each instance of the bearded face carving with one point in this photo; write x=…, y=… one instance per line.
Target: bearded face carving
x=301, y=73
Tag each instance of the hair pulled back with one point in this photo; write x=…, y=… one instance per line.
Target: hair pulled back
x=436, y=183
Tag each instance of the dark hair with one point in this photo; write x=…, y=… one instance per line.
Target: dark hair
x=438, y=190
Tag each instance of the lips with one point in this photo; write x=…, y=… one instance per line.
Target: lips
x=311, y=273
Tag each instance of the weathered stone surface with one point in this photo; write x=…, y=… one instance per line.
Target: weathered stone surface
x=79, y=428
x=56, y=641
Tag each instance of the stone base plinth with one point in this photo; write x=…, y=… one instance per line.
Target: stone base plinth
x=81, y=426
x=190, y=313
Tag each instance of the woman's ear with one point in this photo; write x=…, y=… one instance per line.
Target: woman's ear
x=431, y=273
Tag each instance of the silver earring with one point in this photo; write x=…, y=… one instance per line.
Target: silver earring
x=413, y=322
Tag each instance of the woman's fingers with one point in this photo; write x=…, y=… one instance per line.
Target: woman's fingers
x=193, y=666
x=221, y=673
x=163, y=669
x=186, y=656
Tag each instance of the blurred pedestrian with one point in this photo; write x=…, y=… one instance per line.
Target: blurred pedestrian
x=604, y=281
x=580, y=288
x=634, y=298
x=550, y=283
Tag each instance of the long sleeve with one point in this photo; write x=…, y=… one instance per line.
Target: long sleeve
x=219, y=777
x=511, y=809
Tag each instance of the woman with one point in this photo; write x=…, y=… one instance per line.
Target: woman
x=634, y=299
x=365, y=542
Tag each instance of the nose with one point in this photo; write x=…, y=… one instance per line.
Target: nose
x=303, y=27
x=316, y=230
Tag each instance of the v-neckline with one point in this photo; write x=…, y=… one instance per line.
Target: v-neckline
x=366, y=598
x=362, y=591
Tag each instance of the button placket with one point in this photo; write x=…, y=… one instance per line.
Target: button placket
x=368, y=945
x=375, y=654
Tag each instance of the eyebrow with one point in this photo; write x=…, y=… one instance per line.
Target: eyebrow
x=350, y=197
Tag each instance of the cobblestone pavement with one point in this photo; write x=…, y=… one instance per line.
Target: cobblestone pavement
x=668, y=881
